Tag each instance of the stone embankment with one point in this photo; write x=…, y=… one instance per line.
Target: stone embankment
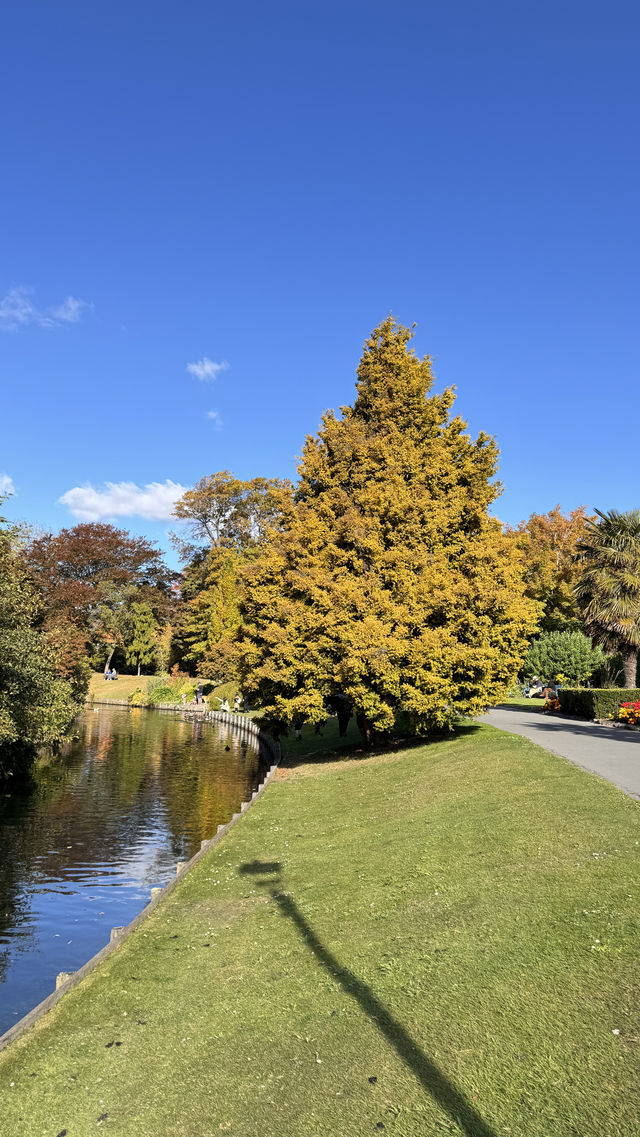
x=269, y=751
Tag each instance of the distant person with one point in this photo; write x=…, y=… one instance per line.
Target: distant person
x=224, y=706
x=114, y=674
x=237, y=703
x=297, y=726
x=199, y=694
x=107, y=674
x=183, y=698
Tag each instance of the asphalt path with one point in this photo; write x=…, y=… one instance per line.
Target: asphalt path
x=613, y=753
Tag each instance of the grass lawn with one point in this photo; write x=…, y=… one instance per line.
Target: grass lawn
x=121, y=688
x=526, y=704
x=426, y=941
x=124, y=685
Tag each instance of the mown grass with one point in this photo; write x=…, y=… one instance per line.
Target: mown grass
x=526, y=704
x=121, y=688
x=105, y=690
x=435, y=940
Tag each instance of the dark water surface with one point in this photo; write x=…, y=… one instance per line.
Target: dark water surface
x=136, y=792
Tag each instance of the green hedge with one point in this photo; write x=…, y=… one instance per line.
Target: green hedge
x=595, y=702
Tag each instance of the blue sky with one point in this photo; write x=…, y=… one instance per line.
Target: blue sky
x=258, y=185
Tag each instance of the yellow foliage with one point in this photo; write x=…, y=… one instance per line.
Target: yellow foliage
x=385, y=580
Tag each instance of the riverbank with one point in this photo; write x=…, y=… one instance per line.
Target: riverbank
x=440, y=939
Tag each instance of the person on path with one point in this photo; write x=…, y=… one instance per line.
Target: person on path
x=224, y=706
x=237, y=703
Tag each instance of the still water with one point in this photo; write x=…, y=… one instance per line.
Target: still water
x=135, y=792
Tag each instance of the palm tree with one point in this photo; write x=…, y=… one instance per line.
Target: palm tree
x=608, y=591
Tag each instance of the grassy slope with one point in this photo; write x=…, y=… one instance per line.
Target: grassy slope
x=99, y=688
x=121, y=688
x=427, y=922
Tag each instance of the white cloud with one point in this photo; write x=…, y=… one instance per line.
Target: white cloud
x=154, y=501
x=18, y=310
x=215, y=418
x=70, y=310
x=206, y=369
x=6, y=485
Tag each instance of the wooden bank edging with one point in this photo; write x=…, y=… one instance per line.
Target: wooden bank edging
x=66, y=981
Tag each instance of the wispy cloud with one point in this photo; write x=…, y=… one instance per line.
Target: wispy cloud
x=215, y=418
x=206, y=369
x=6, y=485
x=70, y=310
x=19, y=310
x=154, y=502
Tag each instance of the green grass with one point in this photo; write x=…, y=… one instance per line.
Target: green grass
x=526, y=704
x=125, y=685
x=121, y=688
x=436, y=940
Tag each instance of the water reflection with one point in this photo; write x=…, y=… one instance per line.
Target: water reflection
x=134, y=792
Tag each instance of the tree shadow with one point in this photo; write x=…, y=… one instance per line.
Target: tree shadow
x=352, y=748
x=442, y=1090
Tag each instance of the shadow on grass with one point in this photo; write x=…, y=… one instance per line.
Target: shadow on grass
x=320, y=749
x=443, y=1091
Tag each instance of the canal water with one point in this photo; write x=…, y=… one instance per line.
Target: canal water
x=134, y=792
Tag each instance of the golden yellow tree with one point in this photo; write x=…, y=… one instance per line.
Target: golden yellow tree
x=552, y=570
x=385, y=580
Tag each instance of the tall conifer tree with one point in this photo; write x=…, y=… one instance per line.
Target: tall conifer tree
x=386, y=580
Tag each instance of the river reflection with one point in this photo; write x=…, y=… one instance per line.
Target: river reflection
x=102, y=824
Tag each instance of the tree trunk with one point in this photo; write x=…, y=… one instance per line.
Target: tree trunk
x=138, y=667
x=630, y=662
x=365, y=728
x=108, y=663
x=344, y=714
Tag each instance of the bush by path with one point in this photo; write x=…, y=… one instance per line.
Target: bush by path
x=439, y=940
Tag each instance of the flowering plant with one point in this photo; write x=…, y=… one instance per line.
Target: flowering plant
x=629, y=713
x=552, y=704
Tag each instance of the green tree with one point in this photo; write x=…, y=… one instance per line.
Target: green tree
x=608, y=590
x=36, y=703
x=567, y=654
x=141, y=648
x=385, y=579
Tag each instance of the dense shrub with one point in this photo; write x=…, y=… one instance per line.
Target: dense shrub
x=595, y=702
x=566, y=654
x=168, y=690
x=36, y=703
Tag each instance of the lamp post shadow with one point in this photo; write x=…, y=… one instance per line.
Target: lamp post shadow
x=450, y=1099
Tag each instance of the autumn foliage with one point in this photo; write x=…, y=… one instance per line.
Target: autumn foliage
x=384, y=579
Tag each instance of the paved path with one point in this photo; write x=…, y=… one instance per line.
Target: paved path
x=613, y=754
